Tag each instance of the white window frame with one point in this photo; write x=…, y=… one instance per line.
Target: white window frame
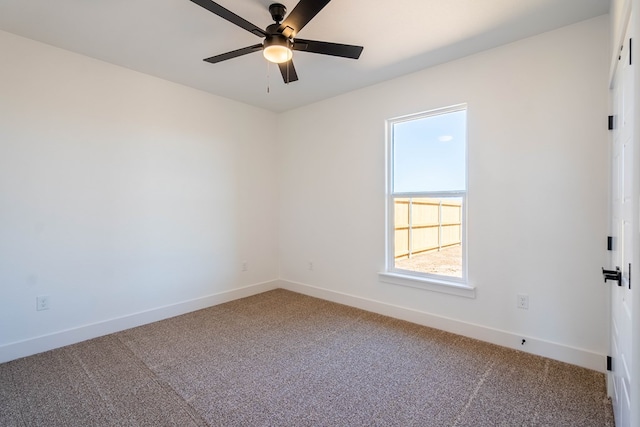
x=434, y=282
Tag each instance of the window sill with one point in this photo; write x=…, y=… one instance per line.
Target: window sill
x=435, y=285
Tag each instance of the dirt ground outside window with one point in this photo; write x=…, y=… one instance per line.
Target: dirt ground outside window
x=447, y=262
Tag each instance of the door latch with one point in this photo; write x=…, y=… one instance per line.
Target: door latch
x=615, y=275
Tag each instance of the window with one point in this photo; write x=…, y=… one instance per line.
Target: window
x=426, y=204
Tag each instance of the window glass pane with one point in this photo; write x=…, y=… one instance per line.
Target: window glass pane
x=429, y=153
x=428, y=235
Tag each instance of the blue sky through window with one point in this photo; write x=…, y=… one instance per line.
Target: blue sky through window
x=429, y=153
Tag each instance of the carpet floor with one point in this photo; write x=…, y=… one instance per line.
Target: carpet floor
x=285, y=359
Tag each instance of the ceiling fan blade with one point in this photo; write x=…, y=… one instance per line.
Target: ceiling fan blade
x=300, y=16
x=326, y=48
x=234, y=53
x=230, y=16
x=288, y=71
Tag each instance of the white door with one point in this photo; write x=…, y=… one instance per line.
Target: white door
x=622, y=225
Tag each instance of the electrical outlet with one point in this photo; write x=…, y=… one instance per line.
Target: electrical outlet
x=245, y=266
x=523, y=301
x=42, y=302
x=310, y=265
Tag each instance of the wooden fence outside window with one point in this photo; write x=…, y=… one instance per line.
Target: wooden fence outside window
x=425, y=224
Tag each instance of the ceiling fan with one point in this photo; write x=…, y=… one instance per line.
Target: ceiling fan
x=280, y=38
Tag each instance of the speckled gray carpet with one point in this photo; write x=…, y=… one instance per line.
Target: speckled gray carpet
x=284, y=359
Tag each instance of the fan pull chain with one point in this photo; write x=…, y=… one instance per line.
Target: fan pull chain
x=268, y=80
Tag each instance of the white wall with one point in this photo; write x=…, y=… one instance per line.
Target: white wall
x=121, y=193
x=538, y=179
x=126, y=198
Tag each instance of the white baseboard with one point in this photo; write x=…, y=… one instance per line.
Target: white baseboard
x=564, y=353
x=66, y=337
x=556, y=351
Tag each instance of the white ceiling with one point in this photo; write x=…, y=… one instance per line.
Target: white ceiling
x=169, y=39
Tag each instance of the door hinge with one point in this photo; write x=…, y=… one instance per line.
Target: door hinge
x=629, y=276
x=609, y=364
x=609, y=243
x=630, y=51
x=610, y=124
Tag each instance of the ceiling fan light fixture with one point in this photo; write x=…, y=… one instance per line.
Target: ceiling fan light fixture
x=277, y=49
x=278, y=44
